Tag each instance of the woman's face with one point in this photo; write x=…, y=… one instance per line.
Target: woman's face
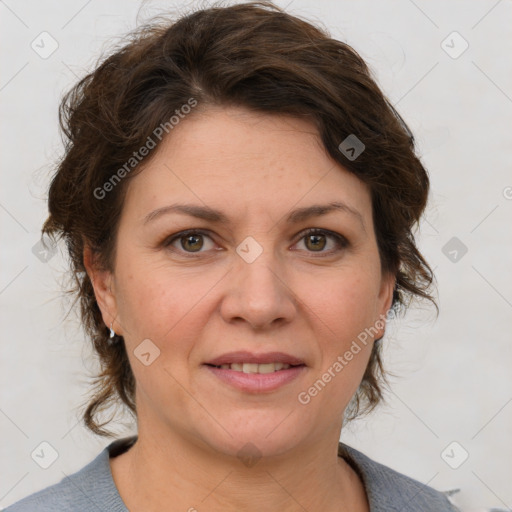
x=246, y=278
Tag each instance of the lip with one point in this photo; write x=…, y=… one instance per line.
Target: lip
x=257, y=382
x=249, y=357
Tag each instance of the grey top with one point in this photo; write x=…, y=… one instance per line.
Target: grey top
x=93, y=489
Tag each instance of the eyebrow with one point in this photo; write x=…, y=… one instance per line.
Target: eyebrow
x=212, y=215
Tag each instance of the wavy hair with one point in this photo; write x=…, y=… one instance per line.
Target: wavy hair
x=252, y=55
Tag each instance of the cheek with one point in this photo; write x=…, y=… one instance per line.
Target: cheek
x=158, y=302
x=344, y=303
x=167, y=308
x=344, y=308
x=151, y=308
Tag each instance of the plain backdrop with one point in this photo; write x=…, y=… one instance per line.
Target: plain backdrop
x=446, y=66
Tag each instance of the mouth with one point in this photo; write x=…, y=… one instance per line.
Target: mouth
x=249, y=359
x=255, y=368
x=256, y=373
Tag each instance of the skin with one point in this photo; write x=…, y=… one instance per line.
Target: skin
x=307, y=300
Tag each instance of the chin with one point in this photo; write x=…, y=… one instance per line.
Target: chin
x=258, y=434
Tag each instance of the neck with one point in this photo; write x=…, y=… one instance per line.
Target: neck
x=179, y=474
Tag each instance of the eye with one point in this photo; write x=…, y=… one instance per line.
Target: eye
x=315, y=240
x=190, y=241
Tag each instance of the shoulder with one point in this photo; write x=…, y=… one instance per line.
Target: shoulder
x=389, y=490
x=90, y=488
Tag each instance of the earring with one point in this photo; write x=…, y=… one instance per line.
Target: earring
x=112, y=336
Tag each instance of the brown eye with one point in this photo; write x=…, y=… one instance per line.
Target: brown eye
x=190, y=242
x=316, y=240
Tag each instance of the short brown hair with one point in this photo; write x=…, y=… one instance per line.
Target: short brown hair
x=251, y=55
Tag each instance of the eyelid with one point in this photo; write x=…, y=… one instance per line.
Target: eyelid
x=339, y=239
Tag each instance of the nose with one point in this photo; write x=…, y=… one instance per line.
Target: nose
x=259, y=294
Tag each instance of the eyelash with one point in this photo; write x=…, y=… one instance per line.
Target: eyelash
x=340, y=240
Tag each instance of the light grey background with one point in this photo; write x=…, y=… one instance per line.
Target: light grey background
x=454, y=382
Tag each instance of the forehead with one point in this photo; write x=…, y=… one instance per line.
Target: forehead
x=233, y=159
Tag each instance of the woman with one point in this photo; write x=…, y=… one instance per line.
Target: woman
x=238, y=198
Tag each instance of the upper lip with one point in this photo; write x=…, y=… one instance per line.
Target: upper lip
x=249, y=357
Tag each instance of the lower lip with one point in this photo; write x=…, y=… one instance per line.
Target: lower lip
x=257, y=382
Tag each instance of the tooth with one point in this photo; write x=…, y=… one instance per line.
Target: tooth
x=267, y=368
x=250, y=368
x=256, y=368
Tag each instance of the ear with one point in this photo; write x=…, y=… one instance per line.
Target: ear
x=103, y=284
x=385, y=300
